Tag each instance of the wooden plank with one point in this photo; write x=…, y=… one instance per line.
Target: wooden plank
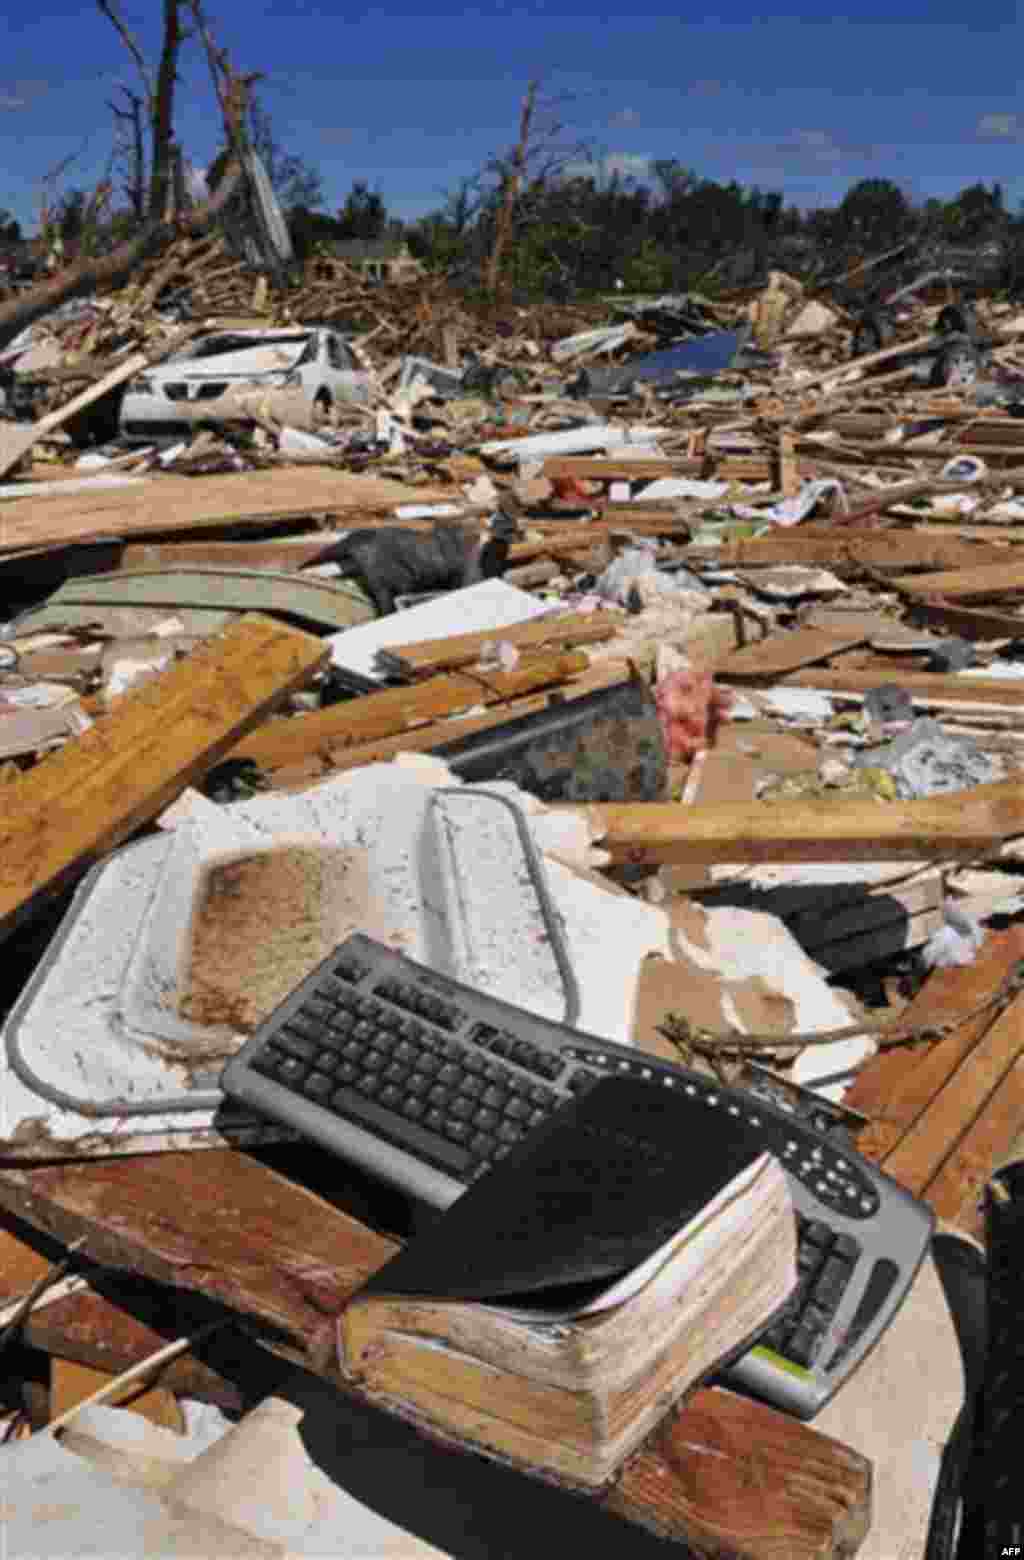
x=619, y=468
x=288, y=553
x=215, y=1223
x=1004, y=691
x=996, y=579
x=221, y=1225
x=436, y=655
x=166, y=504
x=926, y=1146
x=71, y=1383
x=113, y=1334
x=896, y=1085
x=839, y=548
x=61, y=816
x=732, y=1479
x=780, y=653
x=856, y=366
x=955, y=1192
x=397, y=710
x=812, y=829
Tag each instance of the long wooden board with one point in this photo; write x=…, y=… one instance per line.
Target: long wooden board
x=921, y=1153
x=59, y=817
x=814, y=829
x=996, y=579
x=395, y=710
x=1005, y=691
x=727, y=1476
x=172, y=503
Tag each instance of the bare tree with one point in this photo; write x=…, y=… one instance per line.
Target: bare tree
x=541, y=153
x=160, y=224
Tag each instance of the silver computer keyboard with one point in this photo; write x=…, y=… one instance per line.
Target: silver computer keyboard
x=426, y=1083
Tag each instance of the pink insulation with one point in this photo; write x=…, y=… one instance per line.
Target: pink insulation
x=689, y=708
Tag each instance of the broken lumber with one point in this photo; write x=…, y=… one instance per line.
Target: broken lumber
x=933, y=687
x=16, y=441
x=812, y=829
x=770, y=658
x=724, y=1465
x=439, y=655
x=221, y=1224
x=619, y=468
x=83, y=800
x=424, y=739
x=396, y=710
x=996, y=579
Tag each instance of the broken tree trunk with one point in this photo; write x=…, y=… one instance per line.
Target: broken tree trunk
x=108, y=270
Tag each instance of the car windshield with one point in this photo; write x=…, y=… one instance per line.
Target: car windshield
x=218, y=346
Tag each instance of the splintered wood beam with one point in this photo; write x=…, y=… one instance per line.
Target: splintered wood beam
x=651, y=833
x=395, y=710
x=83, y=800
x=725, y=1465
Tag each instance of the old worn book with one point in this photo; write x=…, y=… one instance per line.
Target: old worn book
x=612, y=1261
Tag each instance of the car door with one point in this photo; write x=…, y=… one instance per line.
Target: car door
x=345, y=380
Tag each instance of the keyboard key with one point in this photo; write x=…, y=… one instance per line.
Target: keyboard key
x=495, y=1097
x=462, y=1109
x=472, y=1087
x=482, y=1144
x=451, y=1156
x=318, y=1086
x=486, y=1119
x=297, y=1045
x=413, y=1108
x=368, y=1083
x=440, y=1094
x=804, y=1346
x=450, y=1073
x=396, y=1073
x=458, y=1131
x=390, y=1095
x=507, y=1133
x=517, y=1109
x=267, y=1061
x=291, y=1070
x=346, y=1072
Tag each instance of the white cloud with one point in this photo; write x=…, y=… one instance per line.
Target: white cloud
x=1000, y=127
x=621, y=165
x=818, y=150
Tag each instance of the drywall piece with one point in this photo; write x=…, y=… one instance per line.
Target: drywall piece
x=490, y=604
x=741, y=945
x=85, y=799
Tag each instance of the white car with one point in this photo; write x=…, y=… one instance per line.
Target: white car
x=190, y=387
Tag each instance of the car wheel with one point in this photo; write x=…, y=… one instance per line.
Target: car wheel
x=322, y=410
x=872, y=333
x=956, y=366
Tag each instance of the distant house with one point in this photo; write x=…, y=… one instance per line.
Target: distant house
x=378, y=259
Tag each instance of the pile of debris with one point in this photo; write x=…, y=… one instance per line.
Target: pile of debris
x=722, y=593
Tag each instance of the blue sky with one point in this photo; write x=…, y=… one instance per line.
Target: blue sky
x=926, y=92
